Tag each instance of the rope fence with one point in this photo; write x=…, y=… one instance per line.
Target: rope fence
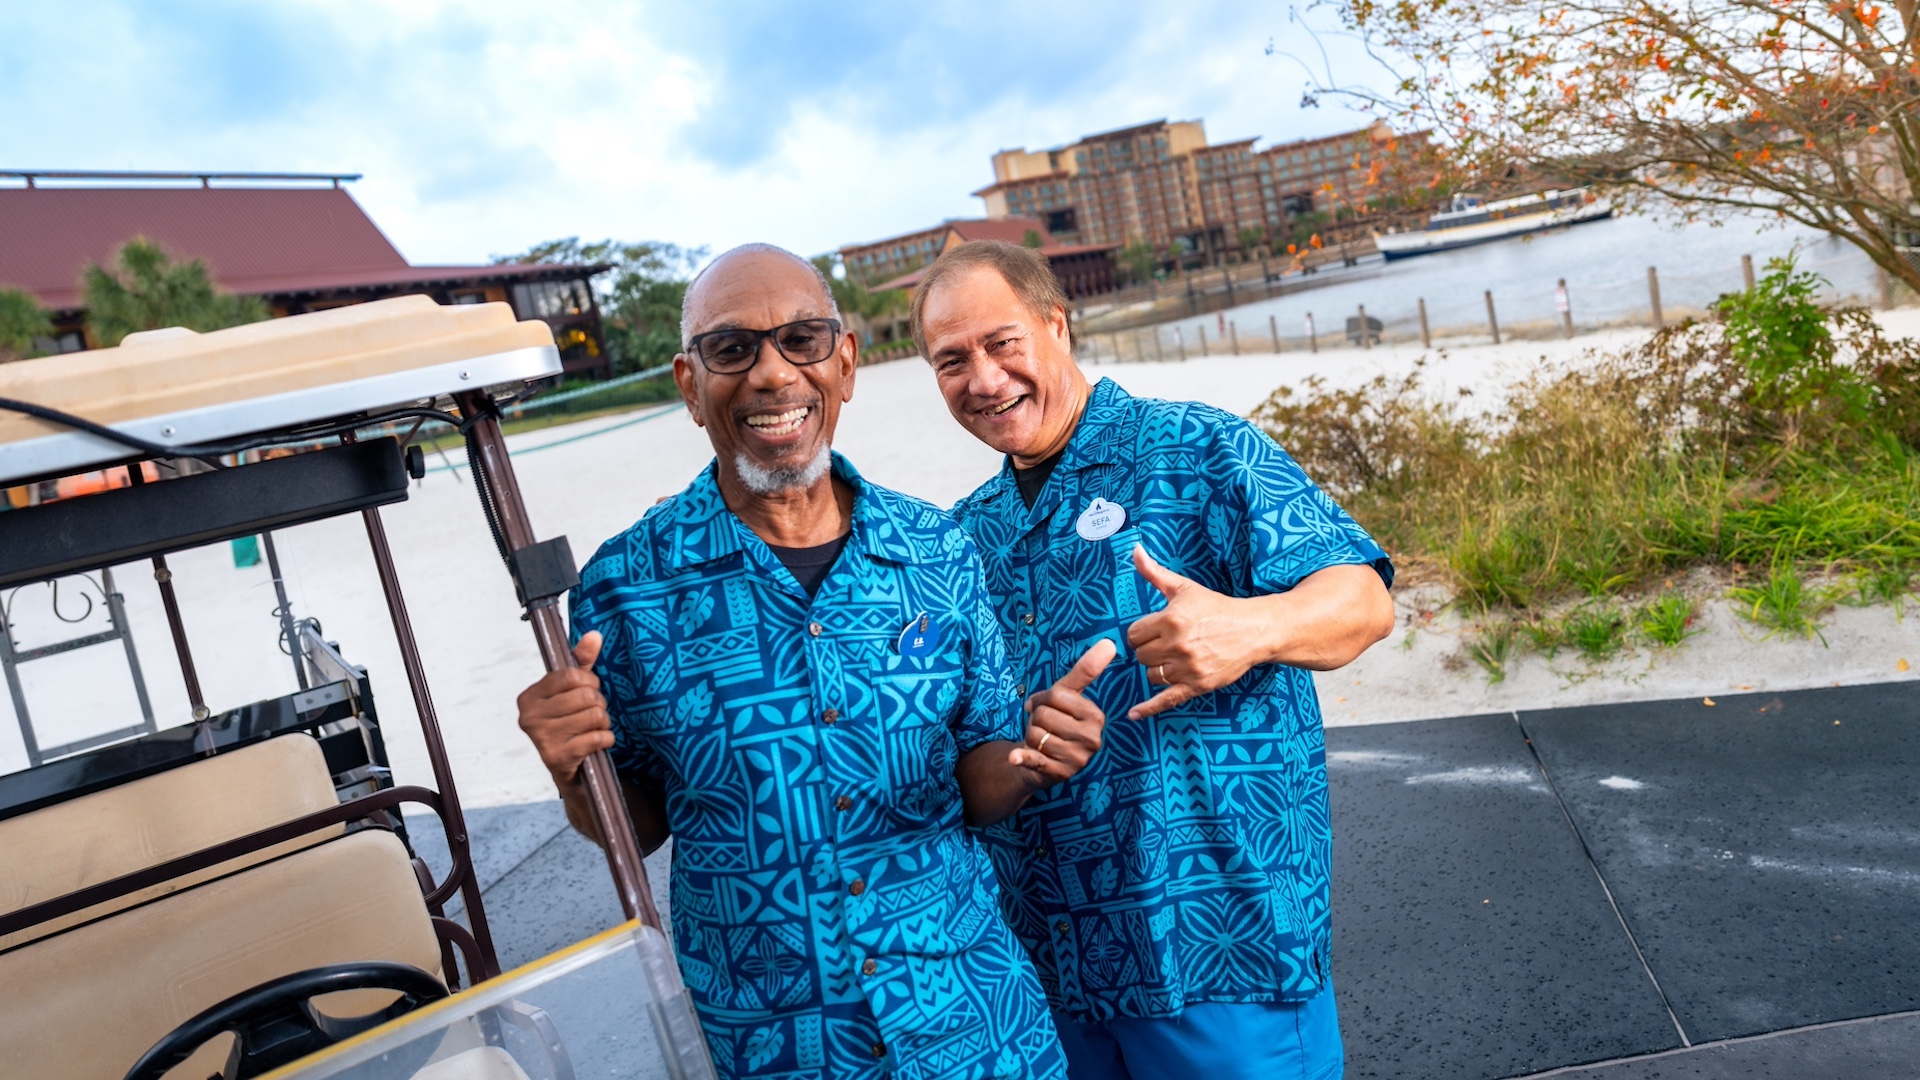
x=1553, y=310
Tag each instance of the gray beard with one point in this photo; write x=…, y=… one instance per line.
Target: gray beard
x=763, y=481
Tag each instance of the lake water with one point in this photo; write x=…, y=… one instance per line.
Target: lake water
x=1604, y=264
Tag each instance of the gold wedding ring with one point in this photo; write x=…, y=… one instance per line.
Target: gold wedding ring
x=1160, y=672
x=1042, y=744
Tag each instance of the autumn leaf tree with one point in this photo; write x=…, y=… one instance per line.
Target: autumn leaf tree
x=1806, y=110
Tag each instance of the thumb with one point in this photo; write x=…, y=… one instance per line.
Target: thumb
x=1158, y=576
x=1089, y=666
x=587, y=649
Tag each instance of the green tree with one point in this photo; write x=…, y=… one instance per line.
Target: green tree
x=1139, y=259
x=867, y=309
x=640, y=299
x=150, y=291
x=22, y=319
x=1251, y=238
x=1033, y=239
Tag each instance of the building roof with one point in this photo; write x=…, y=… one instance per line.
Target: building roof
x=260, y=241
x=1013, y=230
x=1051, y=251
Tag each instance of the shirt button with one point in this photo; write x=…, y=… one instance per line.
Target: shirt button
x=843, y=803
x=1040, y=852
x=1061, y=927
x=879, y=1050
x=868, y=968
x=856, y=889
x=830, y=715
x=1027, y=618
x=813, y=628
x=1021, y=690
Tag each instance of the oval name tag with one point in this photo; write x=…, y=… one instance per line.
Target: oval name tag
x=920, y=637
x=1100, y=520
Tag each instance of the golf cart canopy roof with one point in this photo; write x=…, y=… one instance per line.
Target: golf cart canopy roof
x=180, y=388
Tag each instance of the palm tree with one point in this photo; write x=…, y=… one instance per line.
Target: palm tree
x=22, y=319
x=1139, y=259
x=867, y=308
x=151, y=291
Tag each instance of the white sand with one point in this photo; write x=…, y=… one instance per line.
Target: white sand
x=479, y=655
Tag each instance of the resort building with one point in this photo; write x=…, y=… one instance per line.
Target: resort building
x=896, y=262
x=297, y=241
x=1163, y=184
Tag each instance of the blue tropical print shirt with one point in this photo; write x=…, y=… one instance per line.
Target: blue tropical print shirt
x=833, y=916
x=1189, y=861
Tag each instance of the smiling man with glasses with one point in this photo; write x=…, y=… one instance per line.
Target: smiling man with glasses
x=800, y=678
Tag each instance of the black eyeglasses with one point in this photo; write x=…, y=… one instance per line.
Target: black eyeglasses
x=730, y=352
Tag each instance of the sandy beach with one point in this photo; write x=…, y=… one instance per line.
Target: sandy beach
x=590, y=480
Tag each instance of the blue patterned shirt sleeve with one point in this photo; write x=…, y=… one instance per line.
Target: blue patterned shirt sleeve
x=994, y=710
x=1271, y=525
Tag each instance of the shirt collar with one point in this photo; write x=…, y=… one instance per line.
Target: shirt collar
x=701, y=529
x=1096, y=440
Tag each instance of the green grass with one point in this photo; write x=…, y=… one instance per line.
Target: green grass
x=1712, y=445
x=1784, y=603
x=1666, y=620
x=1598, y=632
x=1492, y=649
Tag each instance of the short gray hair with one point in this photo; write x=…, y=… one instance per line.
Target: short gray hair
x=826, y=287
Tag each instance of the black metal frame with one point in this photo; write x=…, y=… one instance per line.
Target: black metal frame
x=12, y=656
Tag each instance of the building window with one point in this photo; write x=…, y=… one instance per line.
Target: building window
x=469, y=296
x=551, y=299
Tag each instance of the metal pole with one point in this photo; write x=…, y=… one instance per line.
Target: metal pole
x=1426, y=335
x=117, y=614
x=604, y=795
x=289, y=631
x=1366, y=334
x=1565, y=305
x=162, y=576
x=1493, y=321
x=1273, y=327
x=1653, y=294
x=1746, y=269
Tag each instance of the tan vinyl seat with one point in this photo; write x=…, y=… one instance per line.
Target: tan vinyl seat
x=480, y=1063
x=86, y=1003
x=85, y=841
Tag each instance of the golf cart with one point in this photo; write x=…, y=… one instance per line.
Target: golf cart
x=236, y=893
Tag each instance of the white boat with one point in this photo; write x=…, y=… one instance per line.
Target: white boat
x=1473, y=220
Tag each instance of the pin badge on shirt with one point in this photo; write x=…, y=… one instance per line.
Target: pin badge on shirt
x=1100, y=520
x=920, y=636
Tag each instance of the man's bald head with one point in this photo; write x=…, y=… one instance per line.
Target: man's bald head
x=749, y=259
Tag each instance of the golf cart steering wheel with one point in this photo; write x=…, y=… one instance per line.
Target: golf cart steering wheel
x=275, y=1022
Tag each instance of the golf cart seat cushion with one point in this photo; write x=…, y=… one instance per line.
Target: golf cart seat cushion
x=86, y=1003
x=479, y=1063
x=98, y=837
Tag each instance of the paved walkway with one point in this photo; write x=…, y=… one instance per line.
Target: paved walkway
x=1617, y=892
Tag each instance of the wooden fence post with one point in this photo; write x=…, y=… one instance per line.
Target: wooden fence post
x=1203, y=340
x=1233, y=333
x=1366, y=334
x=1653, y=295
x=1746, y=269
x=1561, y=301
x=1180, y=339
x=1313, y=336
x=1493, y=321
x=1273, y=327
x=1426, y=335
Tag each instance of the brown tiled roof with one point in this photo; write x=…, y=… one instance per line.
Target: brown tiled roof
x=1051, y=251
x=261, y=241
x=1013, y=229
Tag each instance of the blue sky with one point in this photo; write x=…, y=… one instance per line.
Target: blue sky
x=484, y=127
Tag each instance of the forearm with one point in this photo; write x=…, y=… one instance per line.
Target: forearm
x=647, y=810
x=1323, y=623
x=991, y=786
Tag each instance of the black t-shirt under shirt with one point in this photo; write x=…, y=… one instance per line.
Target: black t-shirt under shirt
x=1033, y=481
x=809, y=565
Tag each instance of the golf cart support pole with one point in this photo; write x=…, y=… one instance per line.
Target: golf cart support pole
x=501, y=490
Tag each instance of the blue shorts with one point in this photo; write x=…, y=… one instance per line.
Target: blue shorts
x=1215, y=1040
